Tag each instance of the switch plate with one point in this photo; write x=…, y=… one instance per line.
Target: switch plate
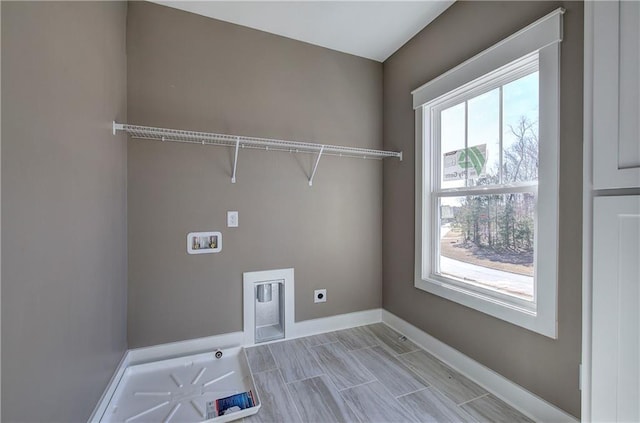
x=232, y=219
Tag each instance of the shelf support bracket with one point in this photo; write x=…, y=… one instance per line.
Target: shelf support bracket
x=315, y=167
x=235, y=161
x=115, y=126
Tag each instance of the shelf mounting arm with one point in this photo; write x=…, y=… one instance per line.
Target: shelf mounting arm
x=315, y=167
x=235, y=161
x=115, y=126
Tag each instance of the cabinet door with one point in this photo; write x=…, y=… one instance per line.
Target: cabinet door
x=615, y=378
x=616, y=94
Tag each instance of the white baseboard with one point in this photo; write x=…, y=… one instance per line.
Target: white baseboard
x=331, y=323
x=513, y=394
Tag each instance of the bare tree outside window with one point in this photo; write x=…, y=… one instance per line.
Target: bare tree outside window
x=497, y=231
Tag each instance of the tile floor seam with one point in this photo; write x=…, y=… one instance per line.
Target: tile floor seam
x=321, y=345
x=390, y=348
x=272, y=356
x=265, y=370
x=399, y=358
x=412, y=351
x=419, y=348
x=367, y=346
x=345, y=347
x=339, y=392
x=389, y=398
x=397, y=400
x=375, y=379
x=473, y=399
x=290, y=396
x=414, y=372
x=449, y=370
x=397, y=355
x=306, y=378
x=417, y=390
x=361, y=364
x=354, y=411
x=441, y=392
x=320, y=334
x=400, y=363
x=360, y=349
x=391, y=394
x=364, y=348
x=351, y=408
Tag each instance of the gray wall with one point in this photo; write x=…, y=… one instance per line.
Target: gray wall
x=0, y=226
x=63, y=208
x=187, y=71
x=546, y=367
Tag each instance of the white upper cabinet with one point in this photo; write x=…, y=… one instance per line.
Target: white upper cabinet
x=616, y=94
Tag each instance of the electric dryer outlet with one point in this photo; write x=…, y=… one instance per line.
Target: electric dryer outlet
x=320, y=296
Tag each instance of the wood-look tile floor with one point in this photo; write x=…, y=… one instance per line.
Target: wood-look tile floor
x=365, y=374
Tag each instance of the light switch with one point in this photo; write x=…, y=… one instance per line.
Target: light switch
x=232, y=219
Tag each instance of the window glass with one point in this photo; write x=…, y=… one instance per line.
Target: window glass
x=484, y=132
x=520, y=130
x=490, y=139
x=488, y=241
x=452, y=136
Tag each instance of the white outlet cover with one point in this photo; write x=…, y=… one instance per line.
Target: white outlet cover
x=320, y=292
x=232, y=219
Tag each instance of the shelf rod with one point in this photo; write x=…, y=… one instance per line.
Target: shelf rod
x=147, y=132
x=315, y=167
x=236, y=141
x=235, y=161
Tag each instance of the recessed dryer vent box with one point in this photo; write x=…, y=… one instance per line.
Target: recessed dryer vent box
x=204, y=242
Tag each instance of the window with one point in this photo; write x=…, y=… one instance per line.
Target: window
x=483, y=198
x=487, y=179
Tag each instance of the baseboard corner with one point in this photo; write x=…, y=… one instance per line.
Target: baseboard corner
x=105, y=398
x=510, y=392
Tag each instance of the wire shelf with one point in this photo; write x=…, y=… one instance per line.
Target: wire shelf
x=237, y=142
x=194, y=137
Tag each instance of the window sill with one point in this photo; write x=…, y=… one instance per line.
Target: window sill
x=540, y=321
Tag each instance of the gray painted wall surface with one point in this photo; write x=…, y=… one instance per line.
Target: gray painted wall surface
x=546, y=367
x=190, y=72
x=63, y=208
x=0, y=226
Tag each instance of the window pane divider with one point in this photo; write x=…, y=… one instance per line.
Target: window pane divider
x=488, y=190
x=466, y=142
x=500, y=134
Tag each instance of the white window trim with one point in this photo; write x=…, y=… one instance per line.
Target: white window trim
x=542, y=36
x=503, y=76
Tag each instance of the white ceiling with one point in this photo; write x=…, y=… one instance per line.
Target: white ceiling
x=371, y=29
